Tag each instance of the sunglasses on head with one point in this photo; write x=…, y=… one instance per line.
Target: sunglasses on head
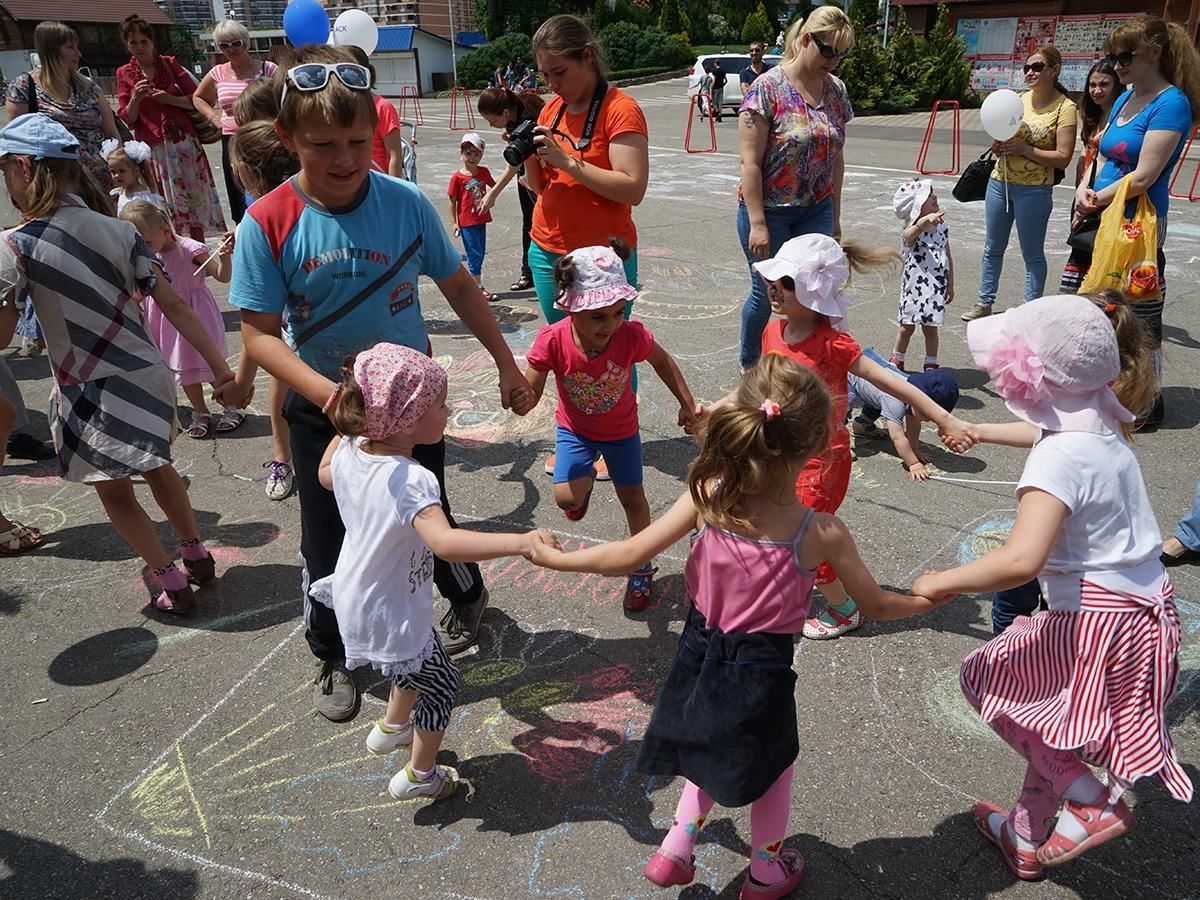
x=315, y=76
x=827, y=50
x=1122, y=59
x=236, y=44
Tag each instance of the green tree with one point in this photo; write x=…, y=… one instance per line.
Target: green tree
x=946, y=74
x=601, y=15
x=669, y=18
x=904, y=62
x=757, y=27
x=867, y=70
x=476, y=68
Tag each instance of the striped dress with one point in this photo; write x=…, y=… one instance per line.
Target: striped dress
x=1095, y=672
x=112, y=413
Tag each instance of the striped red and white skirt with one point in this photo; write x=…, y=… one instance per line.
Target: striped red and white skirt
x=1097, y=680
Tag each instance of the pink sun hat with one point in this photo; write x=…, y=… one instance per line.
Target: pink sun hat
x=1053, y=362
x=399, y=385
x=817, y=265
x=599, y=281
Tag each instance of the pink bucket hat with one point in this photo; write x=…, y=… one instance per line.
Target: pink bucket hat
x=398, y=385
x=599, y=281
x=817, y=265
x=1053, y=361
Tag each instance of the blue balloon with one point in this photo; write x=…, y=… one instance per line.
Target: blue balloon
x=306, y=22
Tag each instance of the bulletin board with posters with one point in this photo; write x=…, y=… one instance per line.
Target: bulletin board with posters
x=997, y=48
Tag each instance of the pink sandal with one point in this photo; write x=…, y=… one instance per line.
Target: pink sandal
x=1022, y=863
x=667, y=870
x=1100, y=824
x=792, y=863
x=176, y=602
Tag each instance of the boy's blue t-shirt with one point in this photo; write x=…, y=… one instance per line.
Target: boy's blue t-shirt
x=1121, y=145
x=342, y=281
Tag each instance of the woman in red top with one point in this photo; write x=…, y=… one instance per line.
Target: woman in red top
x=808, y=284
x=154, y=94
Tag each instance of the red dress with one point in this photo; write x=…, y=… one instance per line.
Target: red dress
x=830, y=353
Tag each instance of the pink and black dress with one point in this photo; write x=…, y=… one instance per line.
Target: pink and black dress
x=725, y=718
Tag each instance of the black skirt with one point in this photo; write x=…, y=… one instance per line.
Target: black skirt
x=725, y=718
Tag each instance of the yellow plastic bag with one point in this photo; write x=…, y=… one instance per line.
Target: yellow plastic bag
x=1126, y=254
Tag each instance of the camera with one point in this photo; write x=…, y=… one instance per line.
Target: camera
x=520, y=143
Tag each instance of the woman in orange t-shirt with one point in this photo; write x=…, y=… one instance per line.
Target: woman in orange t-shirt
x=585, y=196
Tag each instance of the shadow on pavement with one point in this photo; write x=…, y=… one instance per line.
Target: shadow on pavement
x=38, y=868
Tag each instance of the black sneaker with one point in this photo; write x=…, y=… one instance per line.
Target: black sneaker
x=334, y=694
x=460, y=625
x=26, y=446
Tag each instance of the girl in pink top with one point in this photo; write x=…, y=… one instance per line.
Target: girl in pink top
x=725, y=718
x=591, y=353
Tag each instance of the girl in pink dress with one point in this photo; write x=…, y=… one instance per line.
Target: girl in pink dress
x=1092, y=676
x=725, y=718
x=187, y=263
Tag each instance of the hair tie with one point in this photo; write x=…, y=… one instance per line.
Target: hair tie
x=1111, y=308
x=337, y=389
x=770, y=409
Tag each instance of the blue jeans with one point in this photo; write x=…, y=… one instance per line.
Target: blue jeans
x=1030, y=207
x=1188, y=531
x=474, y=238
x=783, y=223
x=869, y=413
x=1023, y=600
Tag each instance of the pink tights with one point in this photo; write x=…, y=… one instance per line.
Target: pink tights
x=768, y=826
x=1047, y=778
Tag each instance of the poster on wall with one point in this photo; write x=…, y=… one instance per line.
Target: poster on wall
x=991, y=74
x=1033, y=33
x=996, y=37
x=1079, y=35
x=968, y=30
x=1074, y=73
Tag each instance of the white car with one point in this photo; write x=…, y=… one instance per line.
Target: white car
x=732, y=64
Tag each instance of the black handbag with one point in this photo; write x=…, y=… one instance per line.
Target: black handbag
x=972, y=184
x=1082, y=235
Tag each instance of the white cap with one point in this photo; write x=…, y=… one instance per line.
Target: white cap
x=475, y=139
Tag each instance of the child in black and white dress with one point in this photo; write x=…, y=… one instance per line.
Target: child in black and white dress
x=927, y=281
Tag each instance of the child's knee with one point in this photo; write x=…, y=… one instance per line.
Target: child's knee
x=570, y=495
x=632, y=498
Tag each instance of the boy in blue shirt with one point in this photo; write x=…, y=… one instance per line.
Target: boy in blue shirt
x=903, y=424
x=333, y=256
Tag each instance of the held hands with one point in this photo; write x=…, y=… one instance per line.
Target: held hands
x=522, y=401
x=689, y=418
x=958, y=435
x=513, y=384
x=928, y=586
x=539, y=541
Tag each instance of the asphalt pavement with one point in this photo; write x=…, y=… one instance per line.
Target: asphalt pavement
x=147, y=756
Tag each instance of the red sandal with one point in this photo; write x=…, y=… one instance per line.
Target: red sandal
x=1022, y=863
x=1100, y=823
x=667, y=870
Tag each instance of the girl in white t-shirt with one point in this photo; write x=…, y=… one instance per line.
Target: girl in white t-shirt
x=1094, y=674
x=392, y=398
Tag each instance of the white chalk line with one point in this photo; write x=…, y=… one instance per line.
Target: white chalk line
x=172, y=852
x=969, y=480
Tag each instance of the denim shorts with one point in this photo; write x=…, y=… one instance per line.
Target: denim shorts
x=574, y=457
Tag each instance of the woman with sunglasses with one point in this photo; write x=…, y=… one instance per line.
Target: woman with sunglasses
x=1146, y=132
x=154, y=94
x=792, y=127
x=1021, y=188
x=221, y=87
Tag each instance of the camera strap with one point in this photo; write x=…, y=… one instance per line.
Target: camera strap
x=593, y=113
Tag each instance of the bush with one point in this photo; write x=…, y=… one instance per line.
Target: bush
x=719, y=31
x=629, y=47
x=758, y=27
x=620, y=40
x=475, y=69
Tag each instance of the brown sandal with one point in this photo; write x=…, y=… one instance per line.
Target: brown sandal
x=19, y=539
x=176, y=602
x=200, y=571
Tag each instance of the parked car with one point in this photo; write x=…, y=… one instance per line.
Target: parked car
x=732, y=64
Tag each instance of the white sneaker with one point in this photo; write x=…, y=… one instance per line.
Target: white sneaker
x=382, y=740
x=442, y=783
x=279, y=479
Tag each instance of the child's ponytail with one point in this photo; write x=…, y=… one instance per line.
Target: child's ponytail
x=1137, y=384
x=52, y=179
x=348, y=410
x=862, y=258
x=778, y=419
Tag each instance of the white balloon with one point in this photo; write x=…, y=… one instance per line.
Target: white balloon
x=357, y=28
x=1002, y=113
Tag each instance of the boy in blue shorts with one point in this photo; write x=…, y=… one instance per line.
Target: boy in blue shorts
x=337, y=250
x=903, y=425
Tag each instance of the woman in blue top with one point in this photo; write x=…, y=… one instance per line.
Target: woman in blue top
x=1146, y=132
